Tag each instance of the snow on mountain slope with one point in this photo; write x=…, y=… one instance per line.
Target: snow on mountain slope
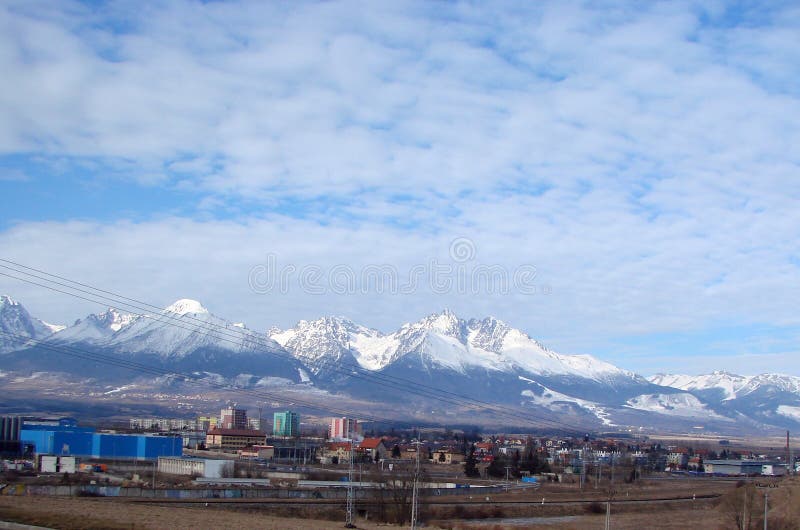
x=682, y=404
x=17, y=326
x=552, y=400
x=54, y=328
x=184, y=327
x=733, y=386
x=789, y=411
x=185, y=306
x=729, y=383
x=95, y=328
x=321, y=345
x=439, y=340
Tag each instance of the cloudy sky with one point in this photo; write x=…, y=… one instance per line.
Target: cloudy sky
x=614, y=178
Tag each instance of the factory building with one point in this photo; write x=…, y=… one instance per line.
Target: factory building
x=67, y=438
x=734, y=467
x=232, y=439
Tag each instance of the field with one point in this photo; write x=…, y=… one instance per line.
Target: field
x=667, y=504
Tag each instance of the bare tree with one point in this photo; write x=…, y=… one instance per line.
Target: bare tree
x=739, y=505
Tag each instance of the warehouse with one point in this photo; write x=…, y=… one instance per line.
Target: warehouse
x=199, y=467
x=733, y=467
x=83, y=441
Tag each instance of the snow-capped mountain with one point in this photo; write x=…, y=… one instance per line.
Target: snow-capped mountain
x=184, y=337
x=440, y=362
x=95, y=328
x=728, y=386
x=17, y=326
x=485, y=359
x=770, y=398
x=183, y=328
x=681, y=404
x=441, y=340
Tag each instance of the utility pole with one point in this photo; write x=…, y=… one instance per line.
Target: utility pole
x=611, y=493
x=766, y=504
x=597, y=479
x=745, y=521
x=350, y=493
x=612, y=468
x=789, y=463
x=583, y=469
x=415, y=490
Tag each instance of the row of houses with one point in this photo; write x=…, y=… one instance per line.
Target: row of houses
x=377, y=449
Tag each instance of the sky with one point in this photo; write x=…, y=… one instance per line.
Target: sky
x=614, y=178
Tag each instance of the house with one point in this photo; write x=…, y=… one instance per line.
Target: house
x=678, y=458
x=484, y=449
x=695, y=464
x=446, y=455
x=373, y=449
x=336, y=452
x=409, y=452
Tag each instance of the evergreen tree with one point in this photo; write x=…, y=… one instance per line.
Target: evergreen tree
x=471, y=465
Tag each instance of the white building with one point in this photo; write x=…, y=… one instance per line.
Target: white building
x=201, y=467
x=343, y=429
x=232, y=418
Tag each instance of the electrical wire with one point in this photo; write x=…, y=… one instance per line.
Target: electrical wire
x=237, y=335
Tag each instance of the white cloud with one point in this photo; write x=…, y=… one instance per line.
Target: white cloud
x=642, y=157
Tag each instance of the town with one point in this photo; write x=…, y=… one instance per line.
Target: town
x=350, y=470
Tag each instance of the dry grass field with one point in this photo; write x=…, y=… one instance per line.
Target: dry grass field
x=506, y=511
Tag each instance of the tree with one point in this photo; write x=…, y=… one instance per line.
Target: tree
x=740, y=505
x=535, y=465
x=442, y=458
x=471, y=465
x=497, y=468
x=396, y=451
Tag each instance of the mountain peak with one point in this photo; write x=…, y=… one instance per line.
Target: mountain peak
x=184, y=306
x=7, y=300
x=445, y=321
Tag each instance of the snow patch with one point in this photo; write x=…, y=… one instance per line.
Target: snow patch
x=550, y=398
x=682, y=404
x=119, y=389
x=789, y=412
x=185, y=306
x=273, y=381
x=54, y=328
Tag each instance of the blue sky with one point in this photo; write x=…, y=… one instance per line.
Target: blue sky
x=639, y=156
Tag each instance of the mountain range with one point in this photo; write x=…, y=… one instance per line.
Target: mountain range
x=441, y=368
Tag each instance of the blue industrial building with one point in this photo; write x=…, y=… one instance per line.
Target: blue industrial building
x=69, y=439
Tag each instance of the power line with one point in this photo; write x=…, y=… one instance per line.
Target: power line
x=225, y=335
x=237, y=335
x=183, y=376
x=346, y=369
